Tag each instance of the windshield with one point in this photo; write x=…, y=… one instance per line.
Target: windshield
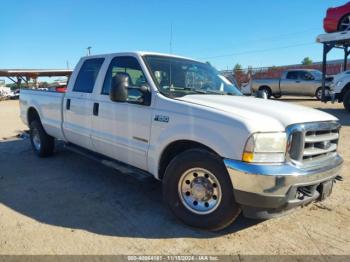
x=176, y=77
x=317, y=74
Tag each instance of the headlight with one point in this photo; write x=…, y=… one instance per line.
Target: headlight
x=265, y=148
x=338, y=84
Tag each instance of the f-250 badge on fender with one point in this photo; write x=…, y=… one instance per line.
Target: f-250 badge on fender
x=161, y=118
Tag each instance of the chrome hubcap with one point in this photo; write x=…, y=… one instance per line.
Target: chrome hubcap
x=200, y=191
x=36, y=139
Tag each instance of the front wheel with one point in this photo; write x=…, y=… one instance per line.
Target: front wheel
x=346, y=100
x=42, y=143
x=318, y=93
x=198, y=190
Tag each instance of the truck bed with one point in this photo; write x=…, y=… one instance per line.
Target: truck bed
x=49, y=106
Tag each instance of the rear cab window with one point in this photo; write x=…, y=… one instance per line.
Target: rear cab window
x=87, y=75
x=292, y=75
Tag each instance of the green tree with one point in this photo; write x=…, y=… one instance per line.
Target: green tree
x=237, y=67
x=306, y=61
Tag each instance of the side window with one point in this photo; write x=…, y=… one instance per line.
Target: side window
x=87, y=75
x=130, y=66
x=306, y=76
x=293, y=75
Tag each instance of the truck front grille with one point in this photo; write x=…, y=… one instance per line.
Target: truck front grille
x=313, y=142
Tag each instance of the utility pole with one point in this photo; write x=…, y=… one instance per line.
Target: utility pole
x=88, y=50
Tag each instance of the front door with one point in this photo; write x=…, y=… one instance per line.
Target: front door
x=309, y=83
x=121, y=130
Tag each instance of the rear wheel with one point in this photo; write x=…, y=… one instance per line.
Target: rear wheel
x=267, y=91
x=42, y=143
x=198, y=190
x=344, y=24
x=346, y=100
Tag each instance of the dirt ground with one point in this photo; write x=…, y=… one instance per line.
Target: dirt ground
x=68, y=204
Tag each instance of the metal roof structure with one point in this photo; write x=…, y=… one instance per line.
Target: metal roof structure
x=18, y=76
x=34, y=73
x=339, y=40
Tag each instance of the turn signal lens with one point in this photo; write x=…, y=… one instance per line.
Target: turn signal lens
x=265, y=148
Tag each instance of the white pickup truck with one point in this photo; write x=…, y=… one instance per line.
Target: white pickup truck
x=216, y=151
x=340, y=89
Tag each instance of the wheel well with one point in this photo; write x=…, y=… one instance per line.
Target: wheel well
x=345, y=88
x=265, y=87
x=338, y=27
x=32, y=115
x=175, y=149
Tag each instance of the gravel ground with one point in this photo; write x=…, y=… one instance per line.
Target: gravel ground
x=68, y=204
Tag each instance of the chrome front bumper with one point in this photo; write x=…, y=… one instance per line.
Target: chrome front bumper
x=272, y=189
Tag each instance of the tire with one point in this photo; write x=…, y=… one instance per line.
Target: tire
x=318, y=93
x=267, y=90
x=344, y=24
x=42, y=143
x=213, y=178
x=277, y=96
x=346, y=100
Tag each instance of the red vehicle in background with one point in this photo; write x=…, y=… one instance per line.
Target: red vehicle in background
x=337, y=19
x=61, y=89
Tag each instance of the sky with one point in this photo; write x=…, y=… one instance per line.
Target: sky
x=55, y=34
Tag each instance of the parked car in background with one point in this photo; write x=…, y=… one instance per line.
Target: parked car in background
x=177, y=119
x=337, y=19
x=7, y=93
x=296, y=82
x=340, y=88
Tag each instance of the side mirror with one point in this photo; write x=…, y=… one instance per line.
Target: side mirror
x=261, y=94
x=119, y=88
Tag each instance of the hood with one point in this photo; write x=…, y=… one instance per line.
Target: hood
x=260, y=111
x=341, y=76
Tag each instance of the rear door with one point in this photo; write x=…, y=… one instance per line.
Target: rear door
x=290, y=83
x=121, y=130
x=78, y=104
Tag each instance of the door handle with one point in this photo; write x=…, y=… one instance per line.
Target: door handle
x=68, y=104
x=95, y=110
x=298, y=81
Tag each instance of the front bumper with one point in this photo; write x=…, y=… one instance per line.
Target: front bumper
x=266, y=191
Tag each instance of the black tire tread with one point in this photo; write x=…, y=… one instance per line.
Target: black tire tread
x=227, y=211
x=346, y=100
x=47, y=141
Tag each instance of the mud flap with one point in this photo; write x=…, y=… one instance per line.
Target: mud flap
x=325, y=189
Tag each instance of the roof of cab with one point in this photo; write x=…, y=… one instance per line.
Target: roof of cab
x=140, y=53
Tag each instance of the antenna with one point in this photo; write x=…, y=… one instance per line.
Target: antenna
x=67, y=63
x=88, y=50
x=171, y=39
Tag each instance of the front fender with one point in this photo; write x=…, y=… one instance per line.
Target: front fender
x=226, y=140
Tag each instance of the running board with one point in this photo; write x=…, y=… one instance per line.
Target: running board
x=109, y=162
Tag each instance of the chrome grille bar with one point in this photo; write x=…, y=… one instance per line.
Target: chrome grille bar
x=310, y=142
